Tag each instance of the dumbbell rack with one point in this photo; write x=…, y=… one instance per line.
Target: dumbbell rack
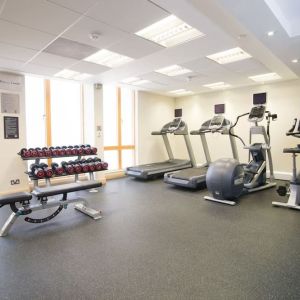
x=48, y=180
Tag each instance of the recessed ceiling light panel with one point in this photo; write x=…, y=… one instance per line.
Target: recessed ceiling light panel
x=229, y=56
x=265, y=77
x=130, y=80
x=173, y=70
x=181, y=92
x=140, y=82
x=67, y=74
x=108, y=58
x=217, y=85
x=169, y=32
x=82, y=76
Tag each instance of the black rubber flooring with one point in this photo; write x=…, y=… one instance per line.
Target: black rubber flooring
x=156, y=242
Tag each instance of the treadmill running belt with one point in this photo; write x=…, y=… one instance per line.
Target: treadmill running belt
x=190, y=173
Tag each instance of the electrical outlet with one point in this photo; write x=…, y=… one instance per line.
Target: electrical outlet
x=14, y=181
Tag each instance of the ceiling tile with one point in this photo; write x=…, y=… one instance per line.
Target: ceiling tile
x=87, y=67
x=81, y=31
x=10, y=64
x=54, y=61
x=75, y=5
x=70, y=49
x=135, y=47
x=129, y=15
x=17, y=53
x=39, y=14
x=24, y=37
x=247, y=66
x=39, y=70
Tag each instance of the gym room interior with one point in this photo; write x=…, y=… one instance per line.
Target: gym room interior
x=149, y=149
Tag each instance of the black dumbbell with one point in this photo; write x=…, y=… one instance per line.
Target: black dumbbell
x=37, y=171
x=40, y=152
x=48, y=171
x=77, y=167
x=69, y=169
x=25, y=153
x=58, y=170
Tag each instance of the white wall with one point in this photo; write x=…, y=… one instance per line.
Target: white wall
x=153, y=112
x=12, y=166
x=283, y=99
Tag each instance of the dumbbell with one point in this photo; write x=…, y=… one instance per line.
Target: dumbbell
x=25, y=153
x=68, y=150
x=77, y=167
x=40, y=152
x=84, y=166
x=60, y=151
x=91, y=164
x=54, y=152
x=33, y=152
x=37, y=171
x=48, y=171
x=79, y=149
x=104, y=165
x=58, y=170
x=87, y=149
x=69, y=169
x=98, y=164
x=47, y=151
x=94, y=150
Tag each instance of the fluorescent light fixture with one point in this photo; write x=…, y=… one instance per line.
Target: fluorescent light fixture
x=229, y=56
x=130, y=80
x=270, y=33
x=169, y=32
x=70, y=74
x=181, y=92
x=140, y=82
x=108, y=58
x=265, y=77
x=217, y=85
x=67, y=74
x=295, y=61
x=82, y=76
x=173, y=70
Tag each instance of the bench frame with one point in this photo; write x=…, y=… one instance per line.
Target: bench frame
x=45, y=203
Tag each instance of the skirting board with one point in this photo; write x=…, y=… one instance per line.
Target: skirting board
x=281, y=175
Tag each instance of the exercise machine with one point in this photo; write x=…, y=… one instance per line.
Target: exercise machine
x=195, y=177
x=23, y=204
x=293, y=190
x=176, y=127
x=227, y=179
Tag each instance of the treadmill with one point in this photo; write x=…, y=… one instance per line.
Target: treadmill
x=195, y=177
x=153, y=170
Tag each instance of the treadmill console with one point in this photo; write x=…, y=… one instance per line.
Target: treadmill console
x=216, y=122
x=175, y=124
x=257, y=113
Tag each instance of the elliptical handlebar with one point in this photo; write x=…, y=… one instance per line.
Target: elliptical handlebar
x=291, y=131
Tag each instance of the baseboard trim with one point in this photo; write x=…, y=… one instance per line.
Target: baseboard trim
x=281, y=175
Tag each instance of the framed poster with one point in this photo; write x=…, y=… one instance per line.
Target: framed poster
x=11, y=127
x=10, y=103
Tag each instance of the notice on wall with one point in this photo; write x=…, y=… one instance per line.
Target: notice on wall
x=11, y=127
x=10, y=103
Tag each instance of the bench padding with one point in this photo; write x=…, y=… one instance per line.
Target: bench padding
x=65, y=188
x=13, y=198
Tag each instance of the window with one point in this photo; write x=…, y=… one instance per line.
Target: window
x=118, y=126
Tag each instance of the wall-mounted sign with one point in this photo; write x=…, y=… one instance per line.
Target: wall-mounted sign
x=11, y=127
x=11, y=82
x=10, y=103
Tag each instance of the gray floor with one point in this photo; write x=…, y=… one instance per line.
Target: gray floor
x=156, y=242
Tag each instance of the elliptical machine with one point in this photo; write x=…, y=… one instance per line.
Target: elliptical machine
x=293, y=190
x=227, y=179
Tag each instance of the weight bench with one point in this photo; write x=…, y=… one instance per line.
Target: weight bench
x=41, y=194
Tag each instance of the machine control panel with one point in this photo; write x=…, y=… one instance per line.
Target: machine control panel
x=216, y=122
x=257, y=113
x=175, y=124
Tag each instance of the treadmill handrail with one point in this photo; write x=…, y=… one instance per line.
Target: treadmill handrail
x=156, y=133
